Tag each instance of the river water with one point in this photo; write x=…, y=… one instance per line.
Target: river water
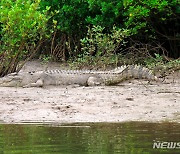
x=90, y=138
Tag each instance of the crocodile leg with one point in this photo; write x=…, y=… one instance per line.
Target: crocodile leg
x=38, y=83
x=94, y=81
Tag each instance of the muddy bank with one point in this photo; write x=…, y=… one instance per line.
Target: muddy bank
x=134, y=100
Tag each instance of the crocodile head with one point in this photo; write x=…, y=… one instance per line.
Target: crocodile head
x=20, y=79
x=11, y=80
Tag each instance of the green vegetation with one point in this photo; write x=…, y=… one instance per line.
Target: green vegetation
x=162, y=64
x=86, y=32
x=98, y=48
x=23, y=28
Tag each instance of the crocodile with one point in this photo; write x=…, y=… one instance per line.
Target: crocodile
x=76, y=77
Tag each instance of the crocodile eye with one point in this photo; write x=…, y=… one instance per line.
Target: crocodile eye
x=31, y=73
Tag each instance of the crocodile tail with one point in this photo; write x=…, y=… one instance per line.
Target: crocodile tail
x=138, y=72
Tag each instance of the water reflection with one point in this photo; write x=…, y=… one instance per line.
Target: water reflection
x=88, y=138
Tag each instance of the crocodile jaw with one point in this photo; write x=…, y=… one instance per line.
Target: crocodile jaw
x=12, y=80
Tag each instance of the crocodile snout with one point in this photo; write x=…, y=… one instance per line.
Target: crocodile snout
x=9, y=81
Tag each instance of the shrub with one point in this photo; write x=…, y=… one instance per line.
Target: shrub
x=97, y=43
x=99, y=48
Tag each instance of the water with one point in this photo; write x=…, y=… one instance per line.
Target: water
x=87, y=138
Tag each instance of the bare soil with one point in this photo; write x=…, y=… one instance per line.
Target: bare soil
x=134, y=100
